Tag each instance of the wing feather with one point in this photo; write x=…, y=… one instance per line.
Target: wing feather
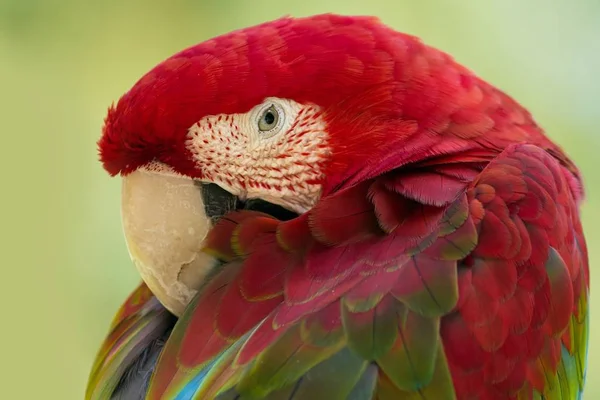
x=478, y=293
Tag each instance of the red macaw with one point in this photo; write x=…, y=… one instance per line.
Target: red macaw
x=330, y=209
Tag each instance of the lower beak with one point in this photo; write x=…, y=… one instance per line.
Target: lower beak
x=165, y=223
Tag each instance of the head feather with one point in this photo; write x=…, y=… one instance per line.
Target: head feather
x=388, y=99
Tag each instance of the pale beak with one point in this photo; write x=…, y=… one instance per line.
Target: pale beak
x=166, y=218
x=165, y=223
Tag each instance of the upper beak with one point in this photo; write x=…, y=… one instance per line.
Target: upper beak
x=166, y=218
x=165, y=222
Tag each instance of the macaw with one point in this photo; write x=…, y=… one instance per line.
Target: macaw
x=325, y=208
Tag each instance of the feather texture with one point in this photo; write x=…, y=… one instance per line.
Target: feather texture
x=444, y=314
x=126, y=360
x=445, y=258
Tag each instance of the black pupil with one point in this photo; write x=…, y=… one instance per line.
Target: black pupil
x=269, y=117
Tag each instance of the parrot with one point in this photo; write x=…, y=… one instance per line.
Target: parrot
x=323, y=207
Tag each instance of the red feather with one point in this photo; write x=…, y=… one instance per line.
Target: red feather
x=202, y=325
x=264, y=272
x=250, y=312
x=426, y=164
x=263, y=336
x=460, y=345
x=249, y=231
x=440, y=190
x=345, y=218
x=505, y=295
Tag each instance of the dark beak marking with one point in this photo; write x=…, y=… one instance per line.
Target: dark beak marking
x=218, y=202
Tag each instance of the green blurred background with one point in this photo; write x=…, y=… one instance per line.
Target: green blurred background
x=63, y=62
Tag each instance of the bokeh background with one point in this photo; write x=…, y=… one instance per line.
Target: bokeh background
x=65, y=268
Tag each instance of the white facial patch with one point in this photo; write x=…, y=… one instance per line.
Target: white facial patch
x=275, y=152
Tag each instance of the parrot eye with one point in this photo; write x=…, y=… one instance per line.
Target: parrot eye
x=269, y=119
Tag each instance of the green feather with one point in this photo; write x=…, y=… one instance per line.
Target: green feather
x=365, y=387
x=455, y=216
x=428, y=287
x=316, y=330
x=333, y=379
x=229, y=395
x=342, y=376
x=410, y=363
x=567, y=376
x=552, y=388
x=580, y=327
x=372, y=333
x=439, y=388
x=282, y=363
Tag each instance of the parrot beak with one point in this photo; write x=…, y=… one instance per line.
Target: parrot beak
x=166, y=218
x=165, y=223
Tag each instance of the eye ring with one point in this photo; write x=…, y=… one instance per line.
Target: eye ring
x=270, y=119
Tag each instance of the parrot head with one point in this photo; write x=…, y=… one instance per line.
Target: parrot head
x=277, y=116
